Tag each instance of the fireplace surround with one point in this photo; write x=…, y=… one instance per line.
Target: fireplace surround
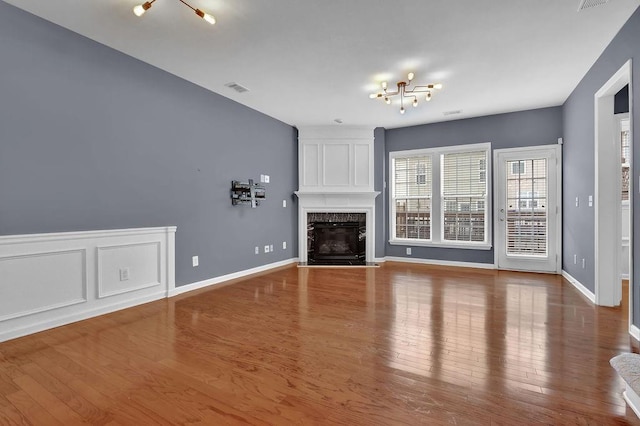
x=336, y=239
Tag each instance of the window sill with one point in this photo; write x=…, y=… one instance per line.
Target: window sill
x=418, y=243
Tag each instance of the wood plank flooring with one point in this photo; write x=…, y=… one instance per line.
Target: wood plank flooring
x=396, y=345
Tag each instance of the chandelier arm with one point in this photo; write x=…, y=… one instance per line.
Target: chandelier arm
x=186, y=4
x=423, y=89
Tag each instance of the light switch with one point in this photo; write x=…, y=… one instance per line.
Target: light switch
x=284, y=203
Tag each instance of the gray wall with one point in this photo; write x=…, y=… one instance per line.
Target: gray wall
x=517, y=129
x=579, y=150
x=93, y=139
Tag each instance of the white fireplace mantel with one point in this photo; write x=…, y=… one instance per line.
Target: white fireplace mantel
x=336, y=202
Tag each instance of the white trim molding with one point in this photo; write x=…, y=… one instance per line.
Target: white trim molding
x=50, y=280
x=224, y=278
x=579, y=286
x=634, y=332
x=436, y=262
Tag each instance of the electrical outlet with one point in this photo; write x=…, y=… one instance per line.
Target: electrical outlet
x=409, y=250
x=577, y=202
x=257, y=250
x=195, y=261
x=575, y=259
x=284, y=245
x=590, y=200
x=266, y=178
x=284, y=203
x=124, y=274
x=266, y=249
x=262, y=178
x=271, y=248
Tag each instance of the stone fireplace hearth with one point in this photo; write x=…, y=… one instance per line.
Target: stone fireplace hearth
x=336, y=186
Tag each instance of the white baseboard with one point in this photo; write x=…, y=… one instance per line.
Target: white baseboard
x=632, y=398
x=579, y=286
x=223, y=278
x=60, y=320
x=379, y=259
x=624, y=276
x=634, y=332
x=440, y=262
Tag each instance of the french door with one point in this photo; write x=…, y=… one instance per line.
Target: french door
x=527, y=206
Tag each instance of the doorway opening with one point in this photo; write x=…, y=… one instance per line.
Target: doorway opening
x=608, y=204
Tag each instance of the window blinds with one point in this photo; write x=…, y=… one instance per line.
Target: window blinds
x=464, y=196
x=412, y=197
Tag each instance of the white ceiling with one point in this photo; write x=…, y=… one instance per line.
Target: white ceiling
x=308, y=62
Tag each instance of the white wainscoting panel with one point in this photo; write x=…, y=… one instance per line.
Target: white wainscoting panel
x=311, y=166
x=142, y=262
x=363, y=170
x=48, y=280
x=335, y=164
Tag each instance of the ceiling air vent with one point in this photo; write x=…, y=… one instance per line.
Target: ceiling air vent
x=237, y=87
x=586, y=4
x=458, y=111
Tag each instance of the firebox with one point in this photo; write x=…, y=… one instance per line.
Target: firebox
x=337, y=243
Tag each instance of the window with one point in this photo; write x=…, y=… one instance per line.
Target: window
x=482, y=170
x=518, y=168
x=421, y=174
x=450, y=181
x=412, y=201
x=461, y=183
x=625, y=150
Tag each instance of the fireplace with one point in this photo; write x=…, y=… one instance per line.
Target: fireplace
x=336, y=239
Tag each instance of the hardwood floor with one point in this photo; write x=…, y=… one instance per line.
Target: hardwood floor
x=396, y=345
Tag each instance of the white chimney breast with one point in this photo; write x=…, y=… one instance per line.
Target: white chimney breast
x=336, y=167
x=335, y=159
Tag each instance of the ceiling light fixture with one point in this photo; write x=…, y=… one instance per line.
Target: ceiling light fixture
x=405, y=92
x=140, y=9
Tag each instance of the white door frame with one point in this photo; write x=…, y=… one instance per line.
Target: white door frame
x=608, y=234
x=557, y=241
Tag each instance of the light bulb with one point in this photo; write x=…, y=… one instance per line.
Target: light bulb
x=210, y=19
x=373, y=96
x=140, y=9
x=410, y=76
x=387, y=100
x=438, y=86
x=428, y=97
x=415, y=103
x=401, y=110
x=384, y=85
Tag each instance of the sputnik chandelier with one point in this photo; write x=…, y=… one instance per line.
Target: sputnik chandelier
x=140, y=9
x=405, y=92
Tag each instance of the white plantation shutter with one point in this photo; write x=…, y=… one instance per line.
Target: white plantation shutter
x=412, y=192
x=464, y=196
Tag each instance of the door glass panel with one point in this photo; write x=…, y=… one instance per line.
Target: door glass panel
x=526, y=213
